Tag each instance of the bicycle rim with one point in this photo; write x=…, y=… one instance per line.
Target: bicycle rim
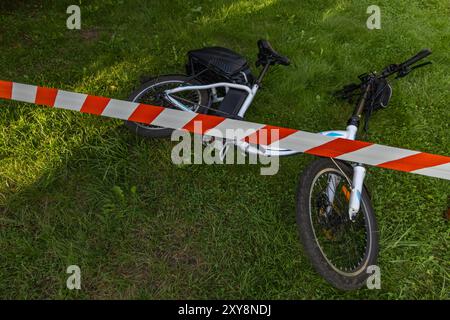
x=345, y=244
x=150, y=96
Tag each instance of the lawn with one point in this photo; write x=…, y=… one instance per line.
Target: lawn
x=79, y=189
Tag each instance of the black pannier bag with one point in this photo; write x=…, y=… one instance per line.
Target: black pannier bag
x=217, y=64
x=382, y=94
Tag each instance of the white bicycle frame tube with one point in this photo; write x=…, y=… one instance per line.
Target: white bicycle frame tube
x=359, y=171
x=248, y=101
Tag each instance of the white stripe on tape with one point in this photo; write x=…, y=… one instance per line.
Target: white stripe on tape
x=302, y=141
x=234, y=130
x=70, y=100
x=24, y=92
x=119, y=109
x=174, y=119
x=440, y=171
x=376, y=154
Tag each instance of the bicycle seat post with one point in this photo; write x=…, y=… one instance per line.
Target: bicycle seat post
x=262, y=74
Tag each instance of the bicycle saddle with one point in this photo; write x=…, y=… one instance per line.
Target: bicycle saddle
x=267, y=55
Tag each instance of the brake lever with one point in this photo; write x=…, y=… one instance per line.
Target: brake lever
x=406, y=70
x=422, y=65
x=403, y=72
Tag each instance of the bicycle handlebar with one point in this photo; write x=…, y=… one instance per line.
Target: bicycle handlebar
x=403, y=68
x=419, y=56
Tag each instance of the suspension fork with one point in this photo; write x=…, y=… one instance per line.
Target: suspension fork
x=357, y=185
x=359, y=173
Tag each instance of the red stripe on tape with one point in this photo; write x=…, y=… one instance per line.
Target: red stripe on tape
x=202, y=123
x=6, y=89
x=94, y=105
x=46, y=96
x=145, y=113
x=268, y=135
x=415, y=162
x=338, y=147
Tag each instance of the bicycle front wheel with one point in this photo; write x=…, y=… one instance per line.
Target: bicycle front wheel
x=339, y=248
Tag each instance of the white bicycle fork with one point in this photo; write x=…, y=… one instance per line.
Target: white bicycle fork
x=357, y=183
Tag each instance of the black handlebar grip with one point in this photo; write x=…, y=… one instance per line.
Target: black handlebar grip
x=422, y=54
x=285, y=61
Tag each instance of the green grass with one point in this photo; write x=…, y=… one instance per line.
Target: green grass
x=78, y=189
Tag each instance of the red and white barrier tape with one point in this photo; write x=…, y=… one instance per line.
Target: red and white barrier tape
x=356, y=151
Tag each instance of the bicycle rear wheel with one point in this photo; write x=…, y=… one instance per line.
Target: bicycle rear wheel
x=151, y=92
x=340, y=249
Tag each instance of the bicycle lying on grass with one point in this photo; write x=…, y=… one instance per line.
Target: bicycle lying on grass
x=335, y=216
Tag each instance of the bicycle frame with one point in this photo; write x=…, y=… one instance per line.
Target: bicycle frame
x=248, y=101
x=350, y=133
